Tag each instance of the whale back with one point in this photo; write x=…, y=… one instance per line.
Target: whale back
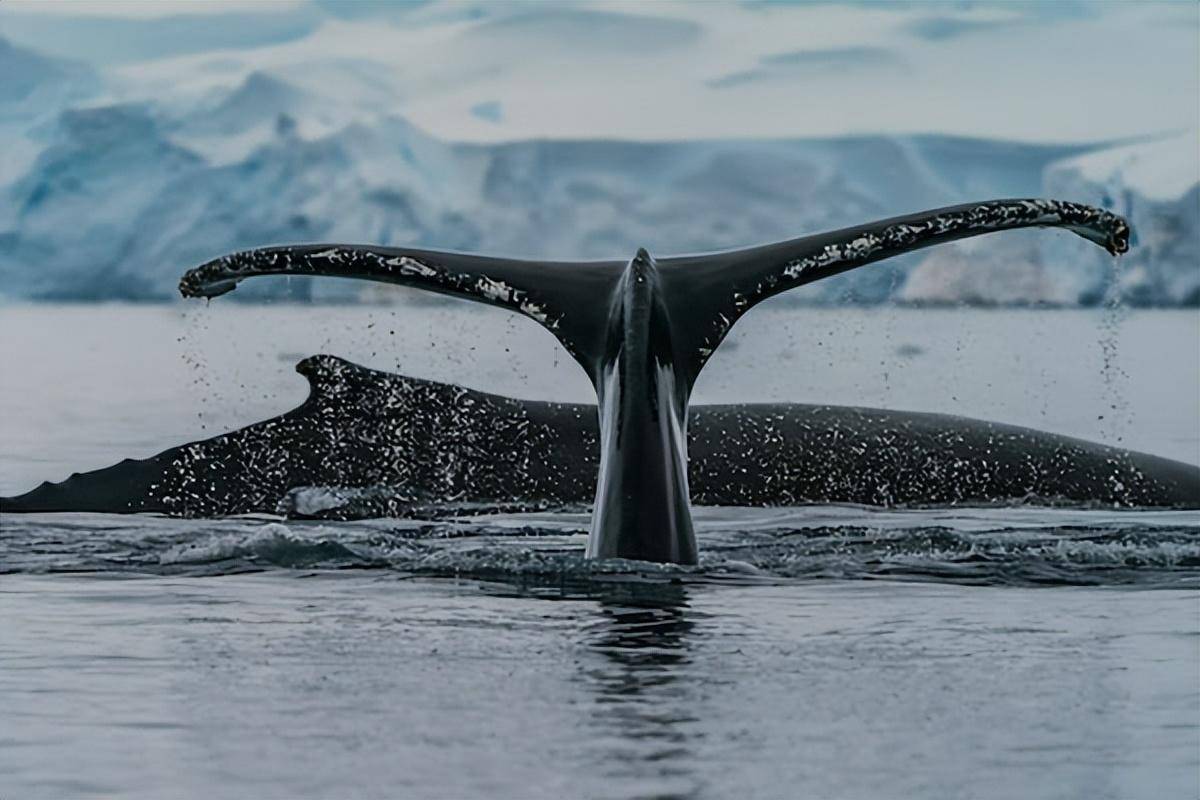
x=352, y=441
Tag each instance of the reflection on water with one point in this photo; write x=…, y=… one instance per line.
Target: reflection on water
x=359, y=684
x=645, y=692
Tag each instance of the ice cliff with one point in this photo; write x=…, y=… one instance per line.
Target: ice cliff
x=101, y=199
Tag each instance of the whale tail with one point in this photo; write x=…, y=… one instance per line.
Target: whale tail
x=643, y=329
x=703, y=295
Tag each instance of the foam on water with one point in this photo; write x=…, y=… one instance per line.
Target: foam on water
x=986, y=546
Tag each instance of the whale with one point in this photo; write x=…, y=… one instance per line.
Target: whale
x=368, y=444
x=643, y=329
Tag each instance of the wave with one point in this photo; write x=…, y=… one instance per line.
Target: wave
x=979, y=546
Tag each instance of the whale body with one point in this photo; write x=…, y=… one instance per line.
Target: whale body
x=642, y=330
x=369, y=444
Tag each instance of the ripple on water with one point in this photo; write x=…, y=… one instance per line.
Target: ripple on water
x=1022, y=546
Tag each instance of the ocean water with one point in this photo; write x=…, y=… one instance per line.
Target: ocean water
x=821, y=651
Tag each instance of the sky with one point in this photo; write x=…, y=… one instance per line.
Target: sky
x=496, y=71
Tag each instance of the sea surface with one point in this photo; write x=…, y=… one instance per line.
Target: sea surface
x=816, y=651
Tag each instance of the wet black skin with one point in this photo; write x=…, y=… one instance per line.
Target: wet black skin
x=642, y=500
x=422, y=449
x=643, y=330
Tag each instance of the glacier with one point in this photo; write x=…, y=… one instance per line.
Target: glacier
x=104, y=197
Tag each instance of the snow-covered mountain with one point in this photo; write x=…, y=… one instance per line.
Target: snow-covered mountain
x=116, y=199
x=33, y=82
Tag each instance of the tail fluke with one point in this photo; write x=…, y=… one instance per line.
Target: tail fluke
x=703, y=295
x=568, y=299
x=709, y=293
